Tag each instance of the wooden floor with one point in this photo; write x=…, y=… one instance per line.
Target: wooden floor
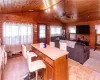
x=15, y=69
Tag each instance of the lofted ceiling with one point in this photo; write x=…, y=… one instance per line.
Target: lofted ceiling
x=66, y=11
x=83, y=10
x=9, y=6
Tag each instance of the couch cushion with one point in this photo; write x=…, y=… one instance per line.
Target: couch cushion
x=71, y=44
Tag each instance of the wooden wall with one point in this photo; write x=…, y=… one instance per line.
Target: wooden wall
x=40, y=17
x=29, y=17
x=81, y=35
x=92, y=35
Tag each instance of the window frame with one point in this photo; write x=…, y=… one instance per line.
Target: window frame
x=55, y=30
x=19, y=34
x=72, y=27
x=74, y=34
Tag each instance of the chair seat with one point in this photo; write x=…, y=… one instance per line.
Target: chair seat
x=32, y=54
x=36, y=65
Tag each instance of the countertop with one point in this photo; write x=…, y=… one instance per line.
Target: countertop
x=52, y=52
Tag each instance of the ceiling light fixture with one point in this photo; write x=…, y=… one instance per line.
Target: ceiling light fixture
x=30, y=10
x=46, y=3
x=53, y=1
x=54, y=7
x=48, y=10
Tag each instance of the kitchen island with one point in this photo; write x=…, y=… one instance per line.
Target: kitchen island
x=56, y=62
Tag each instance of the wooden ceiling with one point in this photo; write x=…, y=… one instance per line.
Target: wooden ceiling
x=10, y=6
x=83, y=10
x=75, y=10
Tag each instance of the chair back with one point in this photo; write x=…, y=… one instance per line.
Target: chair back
x=24, y=51
x=63, y=46
x=52, y=44
x=28, y=60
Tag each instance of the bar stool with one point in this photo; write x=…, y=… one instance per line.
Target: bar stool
x=35, y=66
x=52, y=44
x=63, y=46
x=24, y=52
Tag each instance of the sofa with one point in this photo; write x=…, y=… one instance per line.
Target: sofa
x=79, y=53
x=56, y=39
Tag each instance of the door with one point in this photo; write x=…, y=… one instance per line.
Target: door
x=42, y=36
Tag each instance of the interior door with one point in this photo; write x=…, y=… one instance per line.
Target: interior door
x=42, y=30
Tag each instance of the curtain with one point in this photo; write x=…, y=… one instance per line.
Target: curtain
x=16, y=34
x=55, y=30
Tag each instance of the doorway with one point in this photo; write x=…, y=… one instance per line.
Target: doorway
x=42, y=33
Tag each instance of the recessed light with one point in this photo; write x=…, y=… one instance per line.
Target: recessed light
x=46, y=10
x=49, y=10
x=30, y=10
x=53, y=1
x=54, y=7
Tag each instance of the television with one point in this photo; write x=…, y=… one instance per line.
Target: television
x=82, y=29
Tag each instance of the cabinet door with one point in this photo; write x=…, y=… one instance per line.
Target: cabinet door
x=50, y=72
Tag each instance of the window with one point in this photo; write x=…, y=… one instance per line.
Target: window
x=98, y=39
x=72, y=36
x=97, y=27
x=72, y=29
x=55, y=30
x=42, y=32
x=16, y=34
x=72, y=32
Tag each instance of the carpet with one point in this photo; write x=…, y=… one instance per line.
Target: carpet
x=94, y=61
x=79, y=72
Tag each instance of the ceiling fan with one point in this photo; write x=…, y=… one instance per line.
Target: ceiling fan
x=65, y=14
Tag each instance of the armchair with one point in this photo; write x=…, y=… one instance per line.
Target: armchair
x=79, y=53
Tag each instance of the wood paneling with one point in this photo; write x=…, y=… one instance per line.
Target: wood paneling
x=29, y=17
x=92, y=35
x=78, y=10
x=81, y=10
x=81, y=35
x=9, y=6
